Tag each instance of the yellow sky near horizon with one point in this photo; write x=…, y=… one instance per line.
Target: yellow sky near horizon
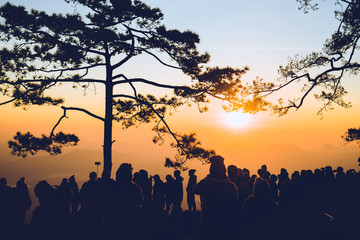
x=303, y=129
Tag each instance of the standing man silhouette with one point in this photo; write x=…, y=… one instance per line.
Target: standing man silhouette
x=178, y=192
x=190, y=190
x=218, y=202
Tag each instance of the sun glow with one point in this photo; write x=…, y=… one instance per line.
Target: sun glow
x=237, y=120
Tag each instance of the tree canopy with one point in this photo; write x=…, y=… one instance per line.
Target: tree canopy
x=51, y=49
x=320, y=74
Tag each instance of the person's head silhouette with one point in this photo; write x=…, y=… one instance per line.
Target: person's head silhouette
x=43, y=191
x=233, y=172
x=192, y=172
x=156, y=178
x=93, y=176
x=169, y=178
x=177, y=173
x=3, y=182
x=217, y=167
x=124, y=173
x=261, y=188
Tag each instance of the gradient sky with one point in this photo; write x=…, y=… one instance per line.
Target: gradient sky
x=260, y=34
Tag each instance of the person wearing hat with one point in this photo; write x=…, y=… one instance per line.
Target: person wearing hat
x=218, y=197
x=190, y=190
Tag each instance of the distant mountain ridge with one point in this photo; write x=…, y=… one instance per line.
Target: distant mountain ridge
x=78, y=162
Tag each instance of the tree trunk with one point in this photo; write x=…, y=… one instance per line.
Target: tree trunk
x=107, y=151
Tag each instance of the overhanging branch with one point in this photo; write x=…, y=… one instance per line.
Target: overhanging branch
x=76, y=109
x=71, y=69
x=85, y=111
x=11, y=100
x=142, y=80
x=159, y=60
x=17, y=82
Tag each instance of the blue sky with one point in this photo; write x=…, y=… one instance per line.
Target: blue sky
x=260, y=34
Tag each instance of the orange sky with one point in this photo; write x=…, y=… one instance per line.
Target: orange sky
x=278, y=142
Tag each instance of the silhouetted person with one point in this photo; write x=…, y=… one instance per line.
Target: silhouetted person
x=128, y=204
x=178, y=192
x=128, y=194
x=263, y=172
x=14, y=202
x=64, y=198
x=158, y=194
x=295, y=175
x=105, y=189
x=190, y=190
x=329, y=185
x=283, y=176
x=22, y=202
x=6, y=193
x=243, y=186
x=146, y=187
x=284, y=191
x=169, y=193
x=136, y=178
x=218, y=200
x=260, y=212
x=75, y=199
x=90, y=210
x=46, y=220
x=233, y=173
x=295, y=208
x=342, y=191
x=234, y=176
x=274, y=187
x=251, y=182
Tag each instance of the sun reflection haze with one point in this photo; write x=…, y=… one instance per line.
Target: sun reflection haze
x=237, y=120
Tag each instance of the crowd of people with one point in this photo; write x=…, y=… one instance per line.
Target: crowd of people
x=319, y=204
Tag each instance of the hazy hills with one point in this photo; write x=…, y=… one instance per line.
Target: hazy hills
x=293, y=158
x=81, y=161
x=76, y=162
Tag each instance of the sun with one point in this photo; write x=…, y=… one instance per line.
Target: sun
x=237, y=119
